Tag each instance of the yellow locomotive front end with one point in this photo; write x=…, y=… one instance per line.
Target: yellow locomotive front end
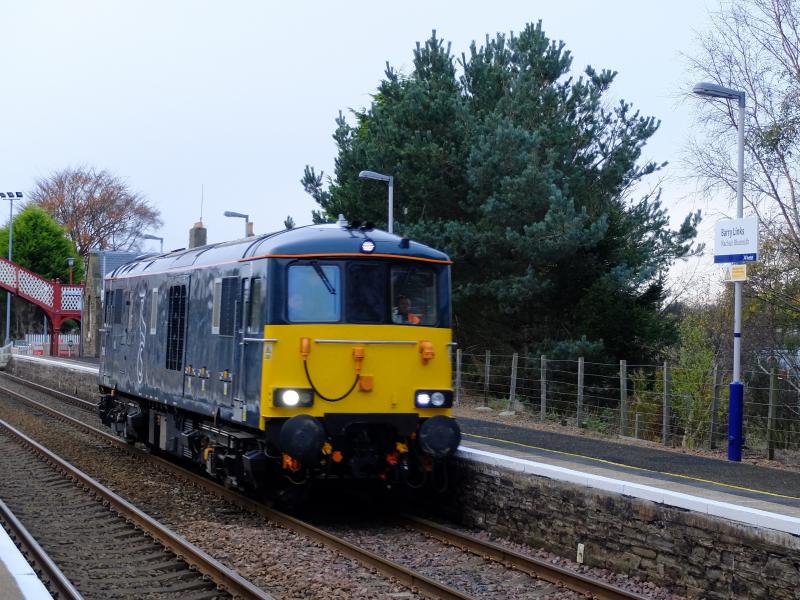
x=357, y=366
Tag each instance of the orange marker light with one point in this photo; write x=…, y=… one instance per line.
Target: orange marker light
x=305, y=347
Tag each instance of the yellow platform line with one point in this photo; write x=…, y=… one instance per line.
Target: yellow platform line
x=616, y=464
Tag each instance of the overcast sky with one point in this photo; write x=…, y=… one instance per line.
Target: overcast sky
x=238, y=97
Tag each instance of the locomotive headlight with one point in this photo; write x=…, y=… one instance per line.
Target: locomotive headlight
x=433, y=398
x=292, y=397
x=368, y=246
x=423, y=399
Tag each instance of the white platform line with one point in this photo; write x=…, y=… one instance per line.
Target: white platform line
x=75, y=366
x=734, y=512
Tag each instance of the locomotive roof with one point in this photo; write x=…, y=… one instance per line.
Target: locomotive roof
x=309, y=241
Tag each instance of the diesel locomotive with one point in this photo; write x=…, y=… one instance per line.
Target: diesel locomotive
x=319, y=352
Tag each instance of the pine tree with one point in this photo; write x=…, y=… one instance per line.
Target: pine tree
x=522, y=174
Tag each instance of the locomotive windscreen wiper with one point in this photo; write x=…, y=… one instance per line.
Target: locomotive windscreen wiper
x=324, y=277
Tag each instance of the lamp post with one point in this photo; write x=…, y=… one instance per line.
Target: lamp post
x=70, y=264
x=10, y=197
x=736, y=401
x=147, y=236
x=247, y=231
x=390, y=180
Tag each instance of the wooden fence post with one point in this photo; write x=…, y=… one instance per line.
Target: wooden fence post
x=579, y=410
x=458, y=376
x=623, y=397
x=512, y=393
x=665, y=409
x=773, y=384
x=714, y=408
x=543, y=379
x=637, y=424
x=486, y=373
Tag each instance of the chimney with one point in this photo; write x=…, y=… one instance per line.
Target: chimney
x=249, y=229
x=197, y=235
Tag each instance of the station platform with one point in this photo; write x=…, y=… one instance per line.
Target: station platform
x=747, y=493
x=18, y=581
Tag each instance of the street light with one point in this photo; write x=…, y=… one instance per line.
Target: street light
x=70, y=264
x=147, y=236
x=247, y=229
x=10, y=197
x=390, y=180
x=736, y=401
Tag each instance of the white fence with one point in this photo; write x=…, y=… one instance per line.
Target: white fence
x=38, y=344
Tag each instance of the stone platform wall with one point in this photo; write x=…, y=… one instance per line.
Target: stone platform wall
x=690, y=553
x=71, y=381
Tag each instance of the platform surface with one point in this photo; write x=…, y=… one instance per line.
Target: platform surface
x=17, y=578
x=743, y=492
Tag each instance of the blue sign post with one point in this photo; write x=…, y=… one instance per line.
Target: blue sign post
x=736, y=241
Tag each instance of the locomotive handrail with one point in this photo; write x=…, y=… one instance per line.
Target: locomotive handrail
x=269, y=340
x=388, y=342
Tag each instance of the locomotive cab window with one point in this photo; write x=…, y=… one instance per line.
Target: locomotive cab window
x=413, y=296
x=255, y=319
x=366, y=293
x=314, y=293
x=118, y=305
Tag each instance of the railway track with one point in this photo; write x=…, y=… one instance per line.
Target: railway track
x=55, y=580
x=104, y=545
x=429, y=586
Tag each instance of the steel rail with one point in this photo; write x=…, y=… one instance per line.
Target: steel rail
x=52, y=576
x=408, y=577
x=194, y=556
x=578, y=582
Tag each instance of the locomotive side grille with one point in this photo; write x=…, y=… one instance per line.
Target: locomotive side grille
x=176, y=327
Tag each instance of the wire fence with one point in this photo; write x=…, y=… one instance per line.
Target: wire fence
x=670, y=404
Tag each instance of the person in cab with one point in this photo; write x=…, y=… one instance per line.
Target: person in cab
x=402, y=313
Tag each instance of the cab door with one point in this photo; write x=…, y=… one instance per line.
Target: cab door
x=249, y=347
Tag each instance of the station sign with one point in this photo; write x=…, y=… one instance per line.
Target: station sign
x=736, y=240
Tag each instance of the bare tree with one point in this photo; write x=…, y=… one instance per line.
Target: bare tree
x=754, y=45
x=96, y=208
